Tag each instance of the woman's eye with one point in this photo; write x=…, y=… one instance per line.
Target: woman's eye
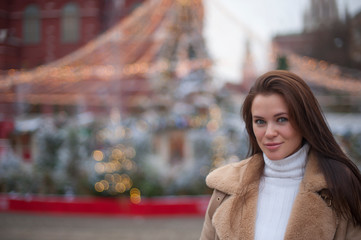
x=282, y=119
x=259, y=121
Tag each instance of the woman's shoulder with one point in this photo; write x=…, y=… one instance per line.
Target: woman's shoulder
x=228, y=177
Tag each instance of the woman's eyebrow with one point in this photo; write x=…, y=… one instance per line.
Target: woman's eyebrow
x=276, y=115
x=279, y=114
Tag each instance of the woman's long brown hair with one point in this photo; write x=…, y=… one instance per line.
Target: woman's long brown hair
x=342, y=176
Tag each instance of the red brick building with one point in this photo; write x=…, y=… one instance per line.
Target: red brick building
x=36, y=32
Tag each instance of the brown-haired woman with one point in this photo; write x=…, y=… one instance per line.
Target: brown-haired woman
x=297, y=184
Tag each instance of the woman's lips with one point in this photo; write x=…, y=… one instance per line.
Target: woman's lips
x=272, y=146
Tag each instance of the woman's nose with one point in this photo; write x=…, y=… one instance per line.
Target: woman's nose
x=271, y=131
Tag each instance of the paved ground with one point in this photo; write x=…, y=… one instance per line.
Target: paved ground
x=16, y=226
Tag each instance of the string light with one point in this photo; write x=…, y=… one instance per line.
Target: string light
x=98, y=155
x=78, y=76
x=135, y=196
x=320, y=72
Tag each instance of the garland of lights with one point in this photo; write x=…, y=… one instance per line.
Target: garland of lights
x=320, y=72
x=96, y=61
x=323, y=74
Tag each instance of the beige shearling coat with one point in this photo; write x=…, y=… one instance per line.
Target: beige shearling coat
x=311, y=216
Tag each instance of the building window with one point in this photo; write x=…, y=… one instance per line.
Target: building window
x=177, y=148
x=70, y=23
x=31, y=25
x=191, y=52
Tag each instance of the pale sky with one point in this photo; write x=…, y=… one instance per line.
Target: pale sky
x=230, y=23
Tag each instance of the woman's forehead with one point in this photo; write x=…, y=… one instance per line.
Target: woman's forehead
x=274, y=103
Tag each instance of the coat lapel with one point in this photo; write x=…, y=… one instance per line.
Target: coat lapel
x=234, y=219
x=311, y=217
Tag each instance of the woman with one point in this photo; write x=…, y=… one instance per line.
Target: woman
x=297, y=184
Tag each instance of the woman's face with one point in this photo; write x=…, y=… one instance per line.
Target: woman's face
x=275, y=135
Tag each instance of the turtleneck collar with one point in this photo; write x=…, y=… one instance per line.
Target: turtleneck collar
x=290, y=167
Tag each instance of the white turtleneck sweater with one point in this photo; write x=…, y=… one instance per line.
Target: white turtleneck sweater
x=277, y=192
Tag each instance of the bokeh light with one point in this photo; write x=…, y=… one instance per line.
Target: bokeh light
x=98, y=155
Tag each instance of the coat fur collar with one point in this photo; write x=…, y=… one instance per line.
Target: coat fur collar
x=310, y=218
